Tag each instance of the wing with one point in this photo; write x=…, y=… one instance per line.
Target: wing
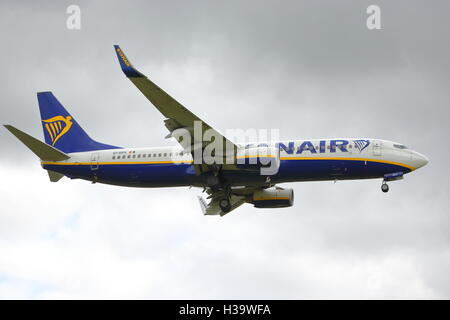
x=177, y=116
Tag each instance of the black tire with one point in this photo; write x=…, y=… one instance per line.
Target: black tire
x=225, y=205
x=384, y=187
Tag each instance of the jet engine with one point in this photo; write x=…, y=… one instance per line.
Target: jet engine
x=273, y=198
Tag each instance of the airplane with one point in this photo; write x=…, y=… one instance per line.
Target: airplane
x=69, y=151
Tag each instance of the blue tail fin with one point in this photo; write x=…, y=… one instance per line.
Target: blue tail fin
x=61, y=130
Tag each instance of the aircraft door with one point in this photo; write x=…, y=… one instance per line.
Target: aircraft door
x=377, y=145
x=94, y=161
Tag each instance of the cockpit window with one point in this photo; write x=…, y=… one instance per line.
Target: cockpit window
x=400, y=146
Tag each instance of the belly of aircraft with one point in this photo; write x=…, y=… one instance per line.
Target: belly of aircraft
x=168, y=175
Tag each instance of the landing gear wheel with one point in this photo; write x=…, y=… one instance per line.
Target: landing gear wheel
x=384, y=187
x=225, y=205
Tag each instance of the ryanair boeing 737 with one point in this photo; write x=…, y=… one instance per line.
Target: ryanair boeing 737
x=236, y=176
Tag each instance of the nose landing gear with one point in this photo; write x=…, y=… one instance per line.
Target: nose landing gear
x=390, y=177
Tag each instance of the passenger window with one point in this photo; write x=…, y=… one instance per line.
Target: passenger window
x=123, y=157
x=134, y=156
x=139, y=155
x=114, y=157
x=159, y=154
x=165, y=154
x=129, y=157
x=143, y=156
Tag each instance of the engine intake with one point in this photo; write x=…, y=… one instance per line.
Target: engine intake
x=273, y=198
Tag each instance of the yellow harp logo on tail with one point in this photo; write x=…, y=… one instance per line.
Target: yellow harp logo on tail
x=57, y=127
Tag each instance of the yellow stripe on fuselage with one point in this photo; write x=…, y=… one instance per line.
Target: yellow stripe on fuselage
x=110, y=163
x=351, y=159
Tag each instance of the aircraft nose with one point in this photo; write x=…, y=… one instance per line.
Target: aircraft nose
x=419, y=159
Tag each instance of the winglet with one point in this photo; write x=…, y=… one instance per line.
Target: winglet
x=126, y=65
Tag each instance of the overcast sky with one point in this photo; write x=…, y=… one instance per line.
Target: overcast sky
x=309, y=68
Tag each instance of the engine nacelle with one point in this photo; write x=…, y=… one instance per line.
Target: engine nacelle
x=273, y=198
x=266, y=159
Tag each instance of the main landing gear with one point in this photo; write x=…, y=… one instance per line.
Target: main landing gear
x=225, y=200
x=384, y=187
x=225, y=205
x=217, y=184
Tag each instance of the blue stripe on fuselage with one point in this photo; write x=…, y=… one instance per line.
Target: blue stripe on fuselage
x=144, y=175
x=325, y=169
x=169, y=174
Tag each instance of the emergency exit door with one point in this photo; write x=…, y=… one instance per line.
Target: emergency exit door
x=377, y=145
x=94, y=161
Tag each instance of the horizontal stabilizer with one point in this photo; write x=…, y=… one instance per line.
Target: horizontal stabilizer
x=54, y=176
x=44, y=151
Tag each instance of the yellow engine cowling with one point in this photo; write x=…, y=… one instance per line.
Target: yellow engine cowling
x=273, y=198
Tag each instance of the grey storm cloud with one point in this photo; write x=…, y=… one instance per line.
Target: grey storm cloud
x=310, y=68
